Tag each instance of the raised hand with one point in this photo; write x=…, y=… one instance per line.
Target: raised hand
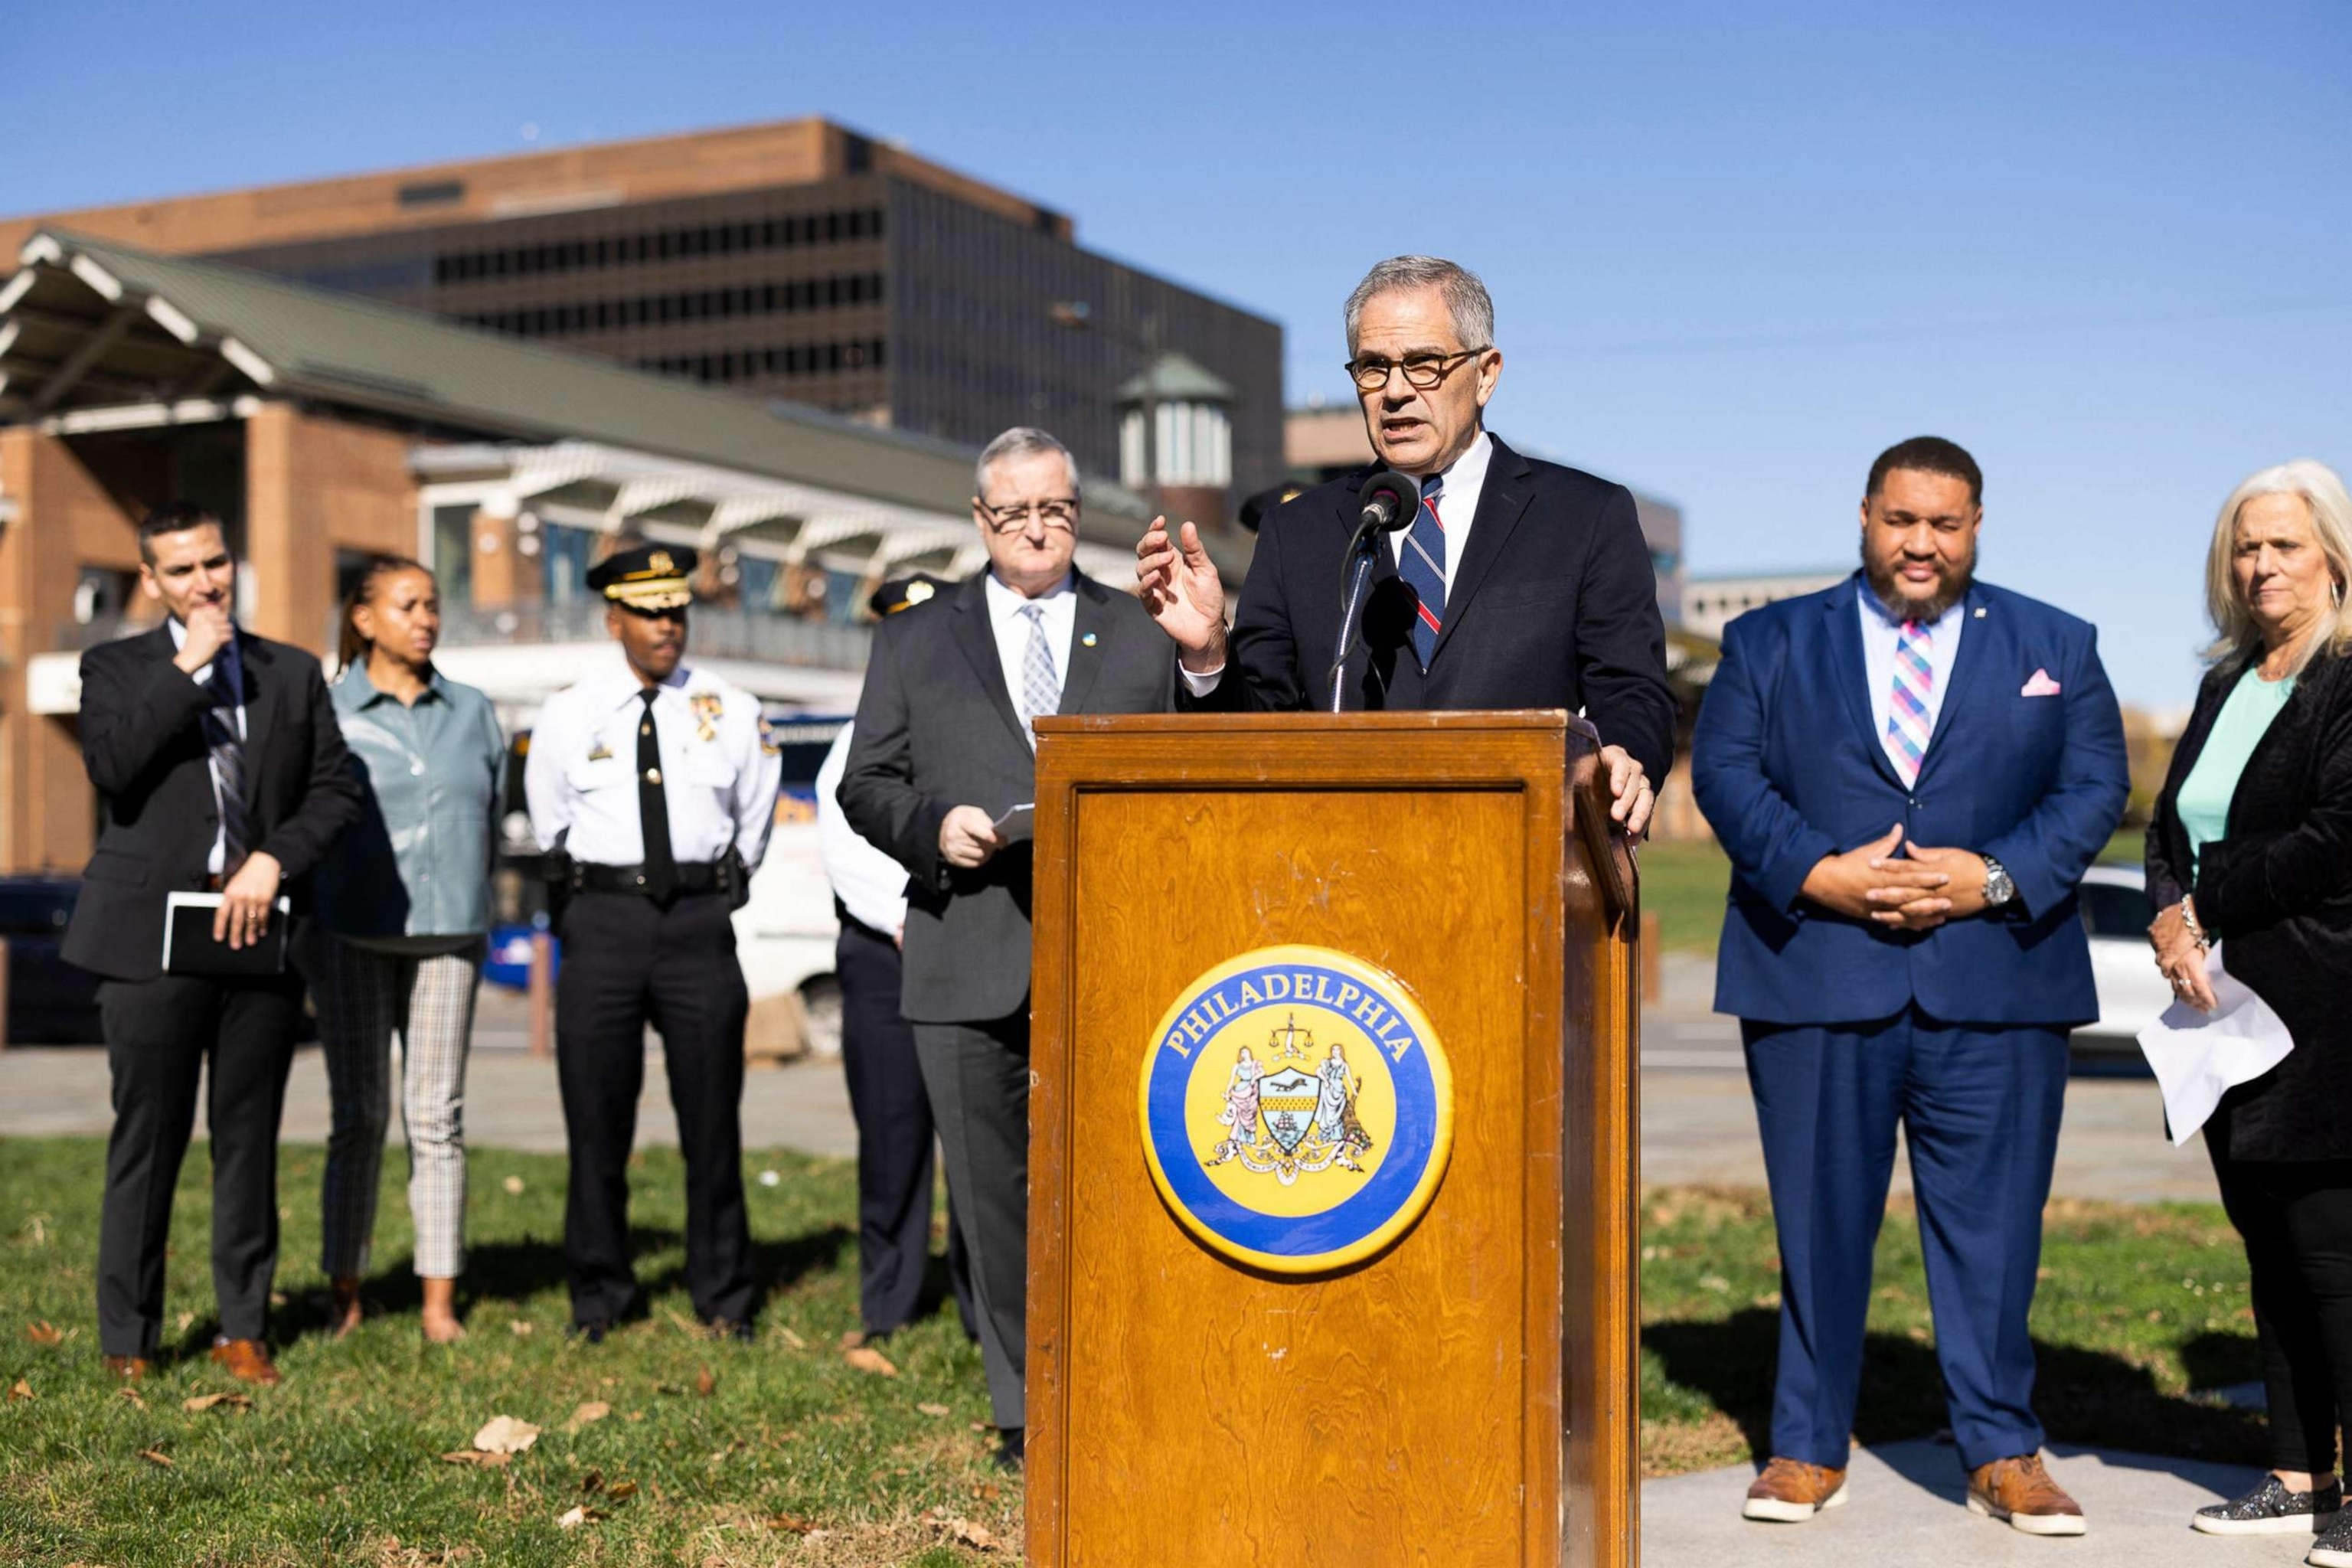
x=209, y=629
x=1179, y=586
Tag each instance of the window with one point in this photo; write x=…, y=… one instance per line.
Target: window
x=431, y=194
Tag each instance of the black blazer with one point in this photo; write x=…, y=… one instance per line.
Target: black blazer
x=1555, y=605
x=144, y=743
x=936, y=730
x=2277, y=892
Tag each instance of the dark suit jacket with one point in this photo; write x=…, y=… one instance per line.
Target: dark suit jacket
x=143, y=743
x=1787, y=767
x=1555, y=605
x=936, y=730
x=2276, y=889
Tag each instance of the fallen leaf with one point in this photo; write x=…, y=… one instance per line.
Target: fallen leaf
x=593, y=1410
x=153, y=1458
x=468, y=1457
x=132, y=1395
x=866, y=1358
x=964, y=1532
x=203, y=1402
x=185, y=1319
x=979, y=1426
x=703, y=1382
x=932, y=1409
x=512, y=1184
x=622, y=1491
x=505, y=1435
x=793, y=1339
x=592, y=1483
x=987, y=1491
x=791, y=1521
x=523, y=1327
x=853, y=1337
x=43, y=1332
x=20, y=1389
x=686, y=1325
x=574, y=1518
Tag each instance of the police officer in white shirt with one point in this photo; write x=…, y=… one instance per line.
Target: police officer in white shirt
x=656, y=782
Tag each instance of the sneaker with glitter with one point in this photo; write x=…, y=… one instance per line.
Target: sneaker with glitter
x=2332, y=1549
x=2271, y=1509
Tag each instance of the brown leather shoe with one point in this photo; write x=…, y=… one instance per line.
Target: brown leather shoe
x=2021, y=1492
x=126, y=1368
x=1790, y=1491
x=247, y=1360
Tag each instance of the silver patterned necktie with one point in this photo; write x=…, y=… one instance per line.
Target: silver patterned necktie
x=228, y=766
x=1041, y=687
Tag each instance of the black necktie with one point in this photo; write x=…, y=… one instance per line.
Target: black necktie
x=653, y=806
x=229, y=767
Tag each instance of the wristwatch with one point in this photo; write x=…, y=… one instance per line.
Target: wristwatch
x=1997, y=889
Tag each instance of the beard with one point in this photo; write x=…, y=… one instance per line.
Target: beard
x=1951, y=591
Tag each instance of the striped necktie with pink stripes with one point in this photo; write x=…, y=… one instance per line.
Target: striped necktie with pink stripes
x=1907, y=716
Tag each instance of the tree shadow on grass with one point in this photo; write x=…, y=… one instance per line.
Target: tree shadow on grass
x=2086, y=1396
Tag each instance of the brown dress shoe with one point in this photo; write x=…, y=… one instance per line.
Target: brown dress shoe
x=247, y=1360
x=1790, y=1491
x=2021, y=1492
x=126, y=1368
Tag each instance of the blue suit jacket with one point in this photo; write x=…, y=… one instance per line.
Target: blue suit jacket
x=1787, y=767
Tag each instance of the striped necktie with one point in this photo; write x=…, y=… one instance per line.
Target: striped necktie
x=227, y=749
x=1421, y=563
x=1907, y=725
x=1041, y=688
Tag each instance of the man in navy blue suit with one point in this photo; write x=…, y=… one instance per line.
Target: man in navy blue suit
x=1910, y=772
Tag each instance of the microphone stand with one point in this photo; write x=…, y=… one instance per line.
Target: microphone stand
x=1361, y=558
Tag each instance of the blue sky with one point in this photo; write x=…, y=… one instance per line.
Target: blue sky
x=1734, y=249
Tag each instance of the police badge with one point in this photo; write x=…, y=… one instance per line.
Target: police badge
x=1297, y=1109
x=707, y=710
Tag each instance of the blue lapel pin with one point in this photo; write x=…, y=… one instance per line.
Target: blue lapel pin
x=1088, y=640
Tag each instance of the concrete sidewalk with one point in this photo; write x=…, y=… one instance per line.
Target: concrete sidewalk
x=1905, y=1508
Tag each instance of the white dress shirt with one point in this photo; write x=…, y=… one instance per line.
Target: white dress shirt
x=870, y=885
x=217, y=860
x=1882, y=631
x=1011, y=629
x=718, y=772
x=1457, y=503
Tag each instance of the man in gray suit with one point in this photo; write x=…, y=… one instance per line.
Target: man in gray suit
x=943, y=751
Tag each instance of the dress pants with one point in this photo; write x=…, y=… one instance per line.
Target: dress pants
x=894, y=1140
x=978, y=1078
x=158, y=1034
x=2296, y=1219
x=1979, y=1106
x=628, y=961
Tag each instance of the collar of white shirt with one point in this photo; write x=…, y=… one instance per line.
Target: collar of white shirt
x=1004, y=602
x=628, y=683
x=1462, y=480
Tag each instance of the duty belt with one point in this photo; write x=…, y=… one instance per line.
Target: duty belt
x=590, y=878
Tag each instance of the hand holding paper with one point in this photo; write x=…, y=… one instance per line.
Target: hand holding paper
x=2198, y=1056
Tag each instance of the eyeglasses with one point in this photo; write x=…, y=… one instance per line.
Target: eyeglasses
x=1062, y=511
x=1422, y=372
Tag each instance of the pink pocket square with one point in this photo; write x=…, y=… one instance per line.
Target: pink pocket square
x=2040, y=686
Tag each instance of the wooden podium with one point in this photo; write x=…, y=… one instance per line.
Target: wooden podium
x=1461, y=1389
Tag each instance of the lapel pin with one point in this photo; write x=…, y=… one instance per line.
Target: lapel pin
x=1979, y=612
x=1088, y=640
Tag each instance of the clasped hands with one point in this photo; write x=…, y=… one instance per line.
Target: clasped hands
x=1918, y=892
x=2182, y=958
x=1179, y=586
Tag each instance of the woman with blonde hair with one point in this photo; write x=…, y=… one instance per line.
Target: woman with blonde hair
x=405, y=897
x=2251, y=847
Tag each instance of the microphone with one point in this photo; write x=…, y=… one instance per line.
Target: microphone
x=1390, y=500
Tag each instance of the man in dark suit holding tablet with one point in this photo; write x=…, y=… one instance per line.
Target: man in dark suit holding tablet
x=220, y=769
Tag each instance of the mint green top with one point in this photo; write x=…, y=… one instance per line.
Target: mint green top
x=2245, y=717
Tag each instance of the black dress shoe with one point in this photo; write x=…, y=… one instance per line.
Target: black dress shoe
x=1013, y=1452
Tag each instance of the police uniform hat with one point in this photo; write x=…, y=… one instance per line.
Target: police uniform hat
x=903, y=593
x=648, y=578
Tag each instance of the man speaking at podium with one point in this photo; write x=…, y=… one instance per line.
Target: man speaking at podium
x=1512, y=583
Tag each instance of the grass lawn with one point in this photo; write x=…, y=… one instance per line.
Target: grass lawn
x=2138, y=1306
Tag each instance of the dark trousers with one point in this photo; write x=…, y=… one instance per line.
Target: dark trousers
x=1979, y=1107
x=894, y=1140
x=158, y=1034
x=2296, y=1219
x=978, y=1078
x=628, y=961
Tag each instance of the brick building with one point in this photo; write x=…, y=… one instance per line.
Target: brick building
x=798, y=259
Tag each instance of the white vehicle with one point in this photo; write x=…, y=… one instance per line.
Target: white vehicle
x=2132, y=993
x=785, y=936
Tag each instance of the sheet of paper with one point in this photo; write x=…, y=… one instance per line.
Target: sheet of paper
x=2198, y=1056
x=1018, y=824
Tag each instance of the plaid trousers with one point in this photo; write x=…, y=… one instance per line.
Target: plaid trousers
x=428, y=1004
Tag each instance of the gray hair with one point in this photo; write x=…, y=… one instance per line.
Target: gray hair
x=1467, y=300
x=1021, y=441
x=2322, y=492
